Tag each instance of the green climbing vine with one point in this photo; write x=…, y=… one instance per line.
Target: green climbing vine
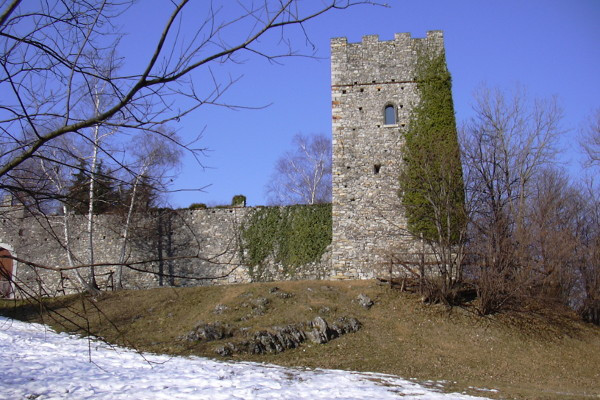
x=292, y=236
x=431, y=179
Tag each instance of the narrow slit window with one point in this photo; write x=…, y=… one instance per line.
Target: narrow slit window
x=390, y=115
x=376, y=168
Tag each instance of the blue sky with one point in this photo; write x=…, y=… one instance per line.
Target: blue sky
x=550, y=47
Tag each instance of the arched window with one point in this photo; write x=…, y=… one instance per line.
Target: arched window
x=390, y=115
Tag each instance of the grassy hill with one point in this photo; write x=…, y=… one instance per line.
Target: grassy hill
x=525, y=356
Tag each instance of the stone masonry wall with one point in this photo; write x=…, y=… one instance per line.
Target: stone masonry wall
x=165, y=248
x=368, y=222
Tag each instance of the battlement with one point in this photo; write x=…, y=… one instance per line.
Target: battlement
x=435, y=36
x=373, y=60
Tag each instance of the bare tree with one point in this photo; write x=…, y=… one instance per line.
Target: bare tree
x=506, y=145
x=51, y=51
x=150, y=157
x=589, y=267
x=553, y=237
x=589, y=255
x=590, y=140
x=560, y=248
x=303, y=174
x=97, y=139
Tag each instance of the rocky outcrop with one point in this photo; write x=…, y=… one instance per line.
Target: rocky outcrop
x=209, y=332
x=280, y=338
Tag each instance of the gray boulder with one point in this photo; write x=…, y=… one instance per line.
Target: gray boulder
x=208, y=332
x=320, y=331
x=365, y=301
x=344, y=325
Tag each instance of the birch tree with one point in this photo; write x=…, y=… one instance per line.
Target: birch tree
x=154, y=155
x=57, y=175
x=303, y=174
x=97, y=141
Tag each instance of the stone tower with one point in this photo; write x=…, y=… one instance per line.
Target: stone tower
x=373, y=90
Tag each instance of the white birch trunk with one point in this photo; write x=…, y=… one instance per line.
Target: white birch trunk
x=90, y=216
x=125, y=233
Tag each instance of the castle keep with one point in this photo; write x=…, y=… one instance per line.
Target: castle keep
x=373, y=91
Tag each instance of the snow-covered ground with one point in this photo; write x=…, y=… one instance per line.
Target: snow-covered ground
x=37, y=363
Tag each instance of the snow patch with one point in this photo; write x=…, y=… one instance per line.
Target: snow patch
x=39, y=363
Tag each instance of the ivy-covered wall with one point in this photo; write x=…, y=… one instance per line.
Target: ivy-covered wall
x=290, y=237
x=431, y=180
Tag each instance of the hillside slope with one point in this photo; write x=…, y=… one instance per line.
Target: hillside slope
x=522, y=356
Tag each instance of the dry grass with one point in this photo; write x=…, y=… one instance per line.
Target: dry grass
x=527, y=356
